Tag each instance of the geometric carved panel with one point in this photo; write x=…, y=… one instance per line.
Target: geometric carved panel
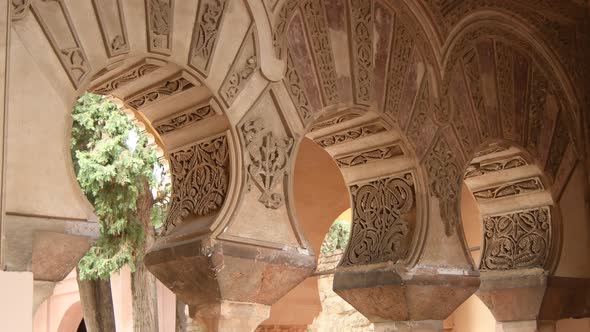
x=200, y=179
x=517, y=240
x=384, y=220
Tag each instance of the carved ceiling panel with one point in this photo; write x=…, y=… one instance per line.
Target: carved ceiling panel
x=112, y=25
x=131, y=74
x=160, y=15
x=205, y=34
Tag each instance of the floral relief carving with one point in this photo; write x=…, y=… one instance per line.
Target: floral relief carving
x=317, y=27
x=205, y=33
x=186, y=118
x=159, y=23
x=369, y=156
x=361, y=28
x=268, y=161
x=473, y=78
x=167, y=88
x=505, y=73
x=53, y=16
x=517, y=240
x=559, y=145
x=280, y=27
x=492, y=148
x=126, y=77
x=334, y=119
x=420, y=114
x=382, y=225
x=350, y=134
x=509, y=189
x=296, y=90
x=537, y=104
x=445, y=182
x=112, y=26
x=200, y=180
x=19, y=9
x=478, y=169
x=245, y=64
x=400, y=60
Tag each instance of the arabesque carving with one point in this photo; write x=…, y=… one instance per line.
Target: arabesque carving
x=315, y=18
x=333, y=119
x=445, y=182
x=280, y=26
x=369, y=156
x=268, y=160
x=205, y=34
x=112, y=26
x=200, y=180
x=517, y=240
x=167, y=88
x=186, y=118
x=559, y=144
x=381, y=228
x=53, y=16
x=399, y=64
x=478, y=169
x=537, y=104
x=160, y=14
x=244, y=66
x=351, y=134
x=492, y=148
x=473, y=78
x=126, y=77
x=296, y=90
x=509, y=189
x=505, y=73
x=19, y=9
x=361, y=21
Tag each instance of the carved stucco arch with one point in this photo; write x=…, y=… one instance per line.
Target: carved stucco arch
x=505, y=182
x=390, y=147
x=516, y=30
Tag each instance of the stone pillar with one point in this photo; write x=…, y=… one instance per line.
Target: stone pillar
x=230, y=316
x=412, y=326
x=16, y=301
x=526, y=326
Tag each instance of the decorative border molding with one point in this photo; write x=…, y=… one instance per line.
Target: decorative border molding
x=183, y=119
x=131, y=74
x=163, y=89
x=351, y=134
x=369, y=156
x=510, y=189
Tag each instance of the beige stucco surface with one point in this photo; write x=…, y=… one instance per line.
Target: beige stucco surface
x=16, y=306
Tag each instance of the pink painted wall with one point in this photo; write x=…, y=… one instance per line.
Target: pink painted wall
x=16, y=301
x=62, y=311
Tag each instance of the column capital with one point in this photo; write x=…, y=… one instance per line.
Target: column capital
x=384, y=293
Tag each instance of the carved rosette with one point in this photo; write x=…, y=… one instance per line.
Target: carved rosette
x=200, y=180
x=517, y=240
x=268, y=161
x=445, y=182
x=383, y=221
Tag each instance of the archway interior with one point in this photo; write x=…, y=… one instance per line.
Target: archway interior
x=185, y=122
x=81, y=327
x=507, y=210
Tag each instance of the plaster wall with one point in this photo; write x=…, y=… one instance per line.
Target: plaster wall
x=575, y=253
x=62, y=311
x=16, y=301
x=4, y=38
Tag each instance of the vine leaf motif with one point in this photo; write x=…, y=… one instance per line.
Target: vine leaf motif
x=19, y=9
x=361, y=28
x=205, y=33
x=517, y=240
x=445, y=182
x=184, y=119
x=125, y=78
x=478, y=169
x=269, y=159
x=510, y=189
x=200, y=179
x=159, y=22
x=381, y=229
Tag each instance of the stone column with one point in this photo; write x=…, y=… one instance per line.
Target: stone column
x=411, y=326
x=526, y=326
x=230, y=316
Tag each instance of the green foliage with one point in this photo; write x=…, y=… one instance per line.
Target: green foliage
x=337, y=237
x=112, y=167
